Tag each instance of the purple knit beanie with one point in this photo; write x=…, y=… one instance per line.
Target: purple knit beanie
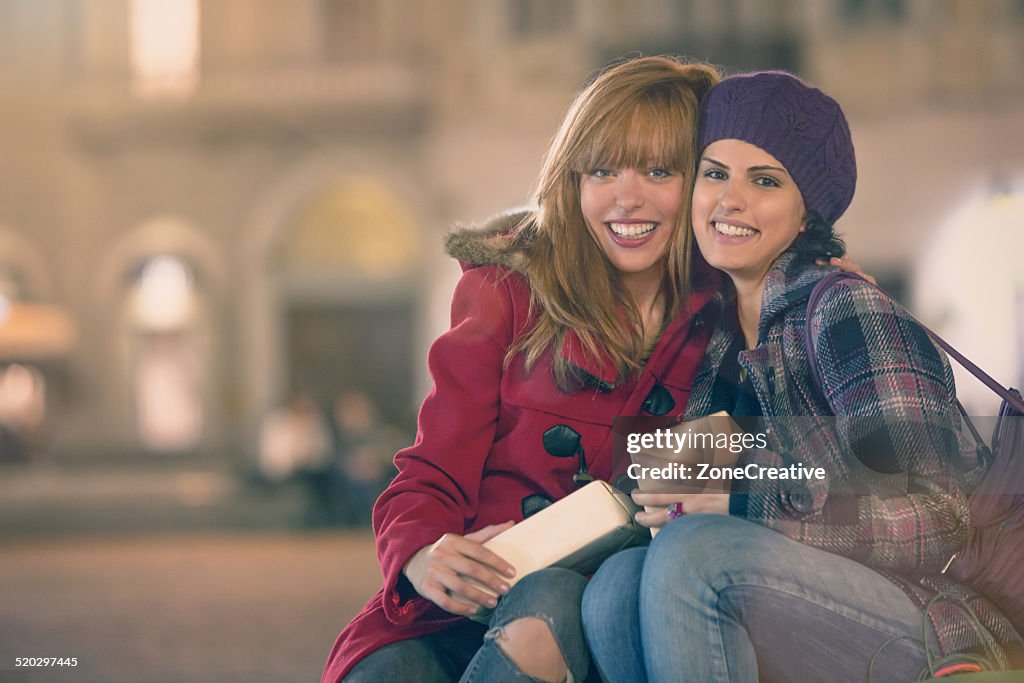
x=799, y=125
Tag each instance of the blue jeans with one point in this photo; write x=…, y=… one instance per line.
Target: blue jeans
x=716, y=598
x=470, y=650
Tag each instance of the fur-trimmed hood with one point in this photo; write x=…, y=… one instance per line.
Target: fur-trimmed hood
x=488, y=244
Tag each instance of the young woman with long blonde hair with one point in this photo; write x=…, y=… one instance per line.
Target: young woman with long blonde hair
x=584, y=312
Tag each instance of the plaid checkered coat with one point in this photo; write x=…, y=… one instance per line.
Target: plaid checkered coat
x=892, y=394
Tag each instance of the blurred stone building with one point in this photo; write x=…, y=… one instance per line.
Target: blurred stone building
x=211, y=205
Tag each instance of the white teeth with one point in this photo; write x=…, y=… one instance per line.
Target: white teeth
x=632, y=230
x=732, y=230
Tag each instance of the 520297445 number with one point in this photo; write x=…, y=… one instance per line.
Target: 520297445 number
x=45, y=661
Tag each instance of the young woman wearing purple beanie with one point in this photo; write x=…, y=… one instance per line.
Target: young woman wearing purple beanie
x=801, y=579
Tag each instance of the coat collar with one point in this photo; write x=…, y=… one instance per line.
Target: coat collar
x=490, y=244
x=789, y=283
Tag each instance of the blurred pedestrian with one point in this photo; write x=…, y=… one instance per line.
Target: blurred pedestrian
x=365, y=448
x=293, y=438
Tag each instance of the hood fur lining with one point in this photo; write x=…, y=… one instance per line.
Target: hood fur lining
x=488, y=244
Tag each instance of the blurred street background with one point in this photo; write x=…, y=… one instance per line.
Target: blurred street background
x=221, y=269
x=196, y=607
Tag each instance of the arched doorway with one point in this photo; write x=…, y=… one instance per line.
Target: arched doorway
x=160, y=286
x=348, y=273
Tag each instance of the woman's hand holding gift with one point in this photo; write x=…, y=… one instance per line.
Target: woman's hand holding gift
x=439, y=571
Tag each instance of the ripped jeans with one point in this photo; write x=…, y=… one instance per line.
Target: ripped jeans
x=471, y=650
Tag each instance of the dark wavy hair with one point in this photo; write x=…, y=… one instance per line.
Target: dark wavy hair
x=819, y=240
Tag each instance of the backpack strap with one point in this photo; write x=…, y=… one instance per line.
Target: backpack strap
x=812, y=302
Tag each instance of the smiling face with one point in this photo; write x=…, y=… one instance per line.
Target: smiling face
x=746, y=210
x=632, y=214
x=632, y=190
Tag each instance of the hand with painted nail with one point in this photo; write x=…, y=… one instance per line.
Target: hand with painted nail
x=661, y=508
x=439, y=571
x=848, y=265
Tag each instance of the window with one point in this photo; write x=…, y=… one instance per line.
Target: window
x=870, y=10
x=540, y=17
x=350, y=29
x=167, y=367
x=165, y=47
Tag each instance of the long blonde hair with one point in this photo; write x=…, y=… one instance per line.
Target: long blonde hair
x=634, y=112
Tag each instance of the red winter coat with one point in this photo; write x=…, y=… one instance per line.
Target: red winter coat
x=479, y=454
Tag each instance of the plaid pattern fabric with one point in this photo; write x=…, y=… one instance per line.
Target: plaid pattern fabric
x=890, y=408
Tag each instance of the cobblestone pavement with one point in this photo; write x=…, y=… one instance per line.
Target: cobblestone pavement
x=225, y=607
